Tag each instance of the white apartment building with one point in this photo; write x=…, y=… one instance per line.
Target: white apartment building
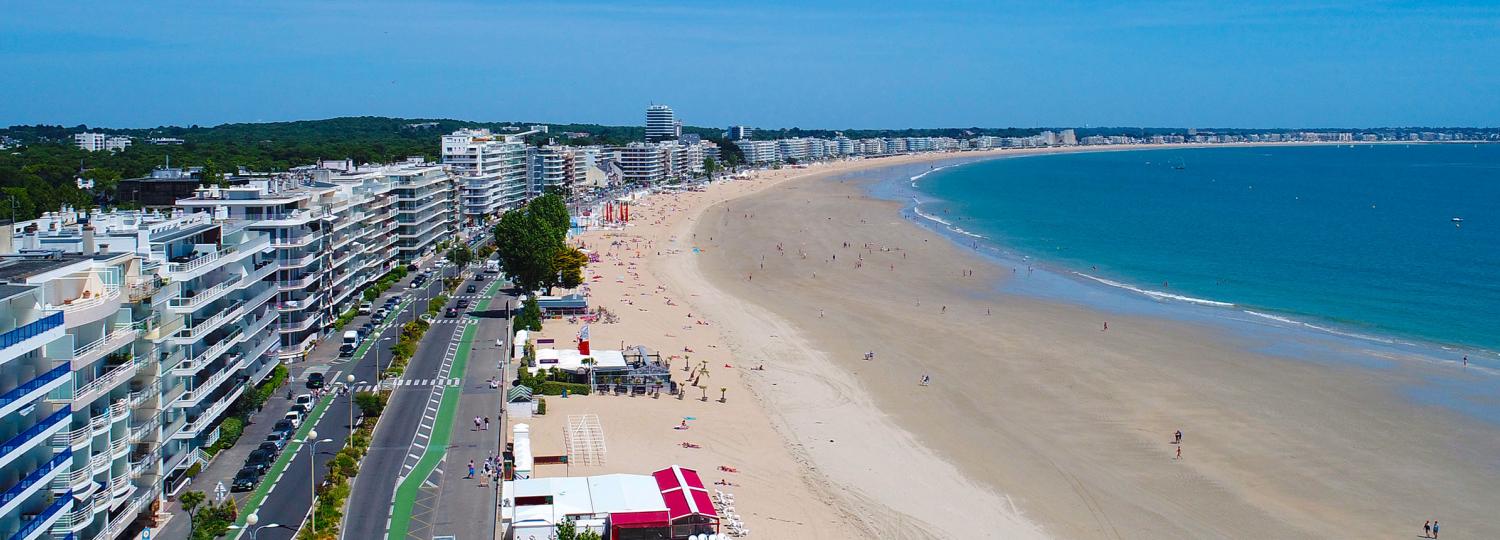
x=758, y=152
x=165, y=321
x=95, y=142
x=492, y=171
x=661, y=124
x=642, y=163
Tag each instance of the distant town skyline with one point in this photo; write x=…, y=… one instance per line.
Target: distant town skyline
x=773, y=65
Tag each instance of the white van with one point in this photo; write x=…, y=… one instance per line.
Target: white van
x=351, y=337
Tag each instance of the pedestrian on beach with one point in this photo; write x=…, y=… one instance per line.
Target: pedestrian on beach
x=471, y=469
x=486, y=423
x=1434, y=528
x=1179, y=452
x=1427, y=529
x=1178, y=437
x=476, y=423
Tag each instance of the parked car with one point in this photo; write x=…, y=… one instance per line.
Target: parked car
x=471, y=289
x=284, y=426
x=364, y=308
x=346, y=350
x=260, y=459
x=245, y=480
x=294, y=417
x=274, y=448
x=301, y=411
x=303, y=399
x=278, y=438
x=315, y=380
x=463, y=303
x=452, y=313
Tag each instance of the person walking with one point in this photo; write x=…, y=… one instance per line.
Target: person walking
x=1434, y=528
x=471, y=469
x=1178, y=437
x=1427, y=529
x=486, y=423
x=1179, y=452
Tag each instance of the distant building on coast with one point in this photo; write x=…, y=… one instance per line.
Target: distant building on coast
x=661, y=124
x=738, y=133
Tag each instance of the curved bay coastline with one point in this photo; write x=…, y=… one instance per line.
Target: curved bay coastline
x=1065, y=422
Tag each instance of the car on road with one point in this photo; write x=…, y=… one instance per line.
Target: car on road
x=278, y=438
x=452, y=313
x=463, y=303
x=315, y=380
x=245, y=480
x=471, y=289
x=301, y=411
x=346, y=350
x=364, y=308
x=270, y=447
x=260, y=459
x=303, y=399
x=284, y=426
x=478, y=277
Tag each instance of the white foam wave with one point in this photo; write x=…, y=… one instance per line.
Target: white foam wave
x=1334, y=331
x=1157, y=294
x=929, y=171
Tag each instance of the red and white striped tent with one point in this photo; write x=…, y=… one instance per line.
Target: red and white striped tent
x=689, y=508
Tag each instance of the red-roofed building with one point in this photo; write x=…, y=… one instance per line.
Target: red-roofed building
x=689, y=508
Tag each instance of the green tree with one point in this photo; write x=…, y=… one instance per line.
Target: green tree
x=567, y=530
x=569, y=263
x=460, y=255
x=526, y=247
x=530, y=316
x=370, y=404
x=191, y=500
x=553, y=212
x=710, y=167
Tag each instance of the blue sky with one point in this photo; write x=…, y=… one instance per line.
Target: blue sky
x=827, y=64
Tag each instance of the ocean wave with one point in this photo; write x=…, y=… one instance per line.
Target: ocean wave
x=929, y=171
x=1334, y=331
x=917, y=207
x=1156, y=294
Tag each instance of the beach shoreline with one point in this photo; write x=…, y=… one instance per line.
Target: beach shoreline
x=1046, y=431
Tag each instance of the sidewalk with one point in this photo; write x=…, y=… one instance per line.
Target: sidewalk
x=464, y=509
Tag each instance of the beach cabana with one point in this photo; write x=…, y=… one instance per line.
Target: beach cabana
x=689, y=509
x=519, y=403
x=573, y=304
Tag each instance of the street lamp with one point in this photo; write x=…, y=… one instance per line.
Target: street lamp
x=312, y=473
x=350, y=390
x=249, y=525
x=379, y=370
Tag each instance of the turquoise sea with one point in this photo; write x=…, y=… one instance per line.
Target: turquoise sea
x=1356, y=240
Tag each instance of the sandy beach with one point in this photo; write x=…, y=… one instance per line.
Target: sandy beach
x=1038, y=421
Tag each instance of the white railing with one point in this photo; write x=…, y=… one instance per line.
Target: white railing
x=297, y=262
x=77, y=518
x=203, y=297
x=118, y=447
x=119, y=484
x=89, y=391
x=99, y=462
x=205, y=326
x=256, y=275
x=194, y=396
x=139, y=397
x=111, y=293
x=199, y=261
x=74, y=439
x=296, y=284
x=116, y=339
x=139, y=433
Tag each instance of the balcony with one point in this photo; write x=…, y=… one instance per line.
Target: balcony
x=286, y=219
x=194, y=397
x=28, y=332
x=298, y=284
x=142, y=288
x=297, y=262
x=202, y=297
x=202, y=260
x=81, y=481
x=43, y=521
x=200, y=329
x=297, y=326
x=33, y=389
x=104, y=383
x=34, y=435
x=35, y=480
x=77, y=518
x=196, y=426
x=208, y=355
x=302, y=240
x=139, y=433
x=87, y=354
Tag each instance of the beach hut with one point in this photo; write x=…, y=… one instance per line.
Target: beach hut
x=519, y=403
x=689, y=509
x=521, y=446
x=573, y=304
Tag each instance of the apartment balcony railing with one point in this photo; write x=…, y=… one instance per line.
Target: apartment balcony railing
x=73, y=439
x=81, y=481
x=195, y=426
x=139, y=433
x=208, y=355
x=61, y=460
x=294, y=242
x=142, y=288
x=120, y=373
x=120, y=337
x=200, y=261
x=297, y=284
x=36, y=383
x=23, y=438
x=119, y=447
x=138, y=398
x=95, y=298
x=119, y=486
x=198, y=330
x=78, y=518
x=194, y=397
x=298, y=262
x=45, y=518
x=298, y=325
x=285, y=219
x=202, y=297
x=31, y=329
x=99, y=462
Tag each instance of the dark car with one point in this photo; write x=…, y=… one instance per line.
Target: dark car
x=261, y=459
x=272, y=447
x=471, y=289
x=315, y=380
x=285, y=426
x=245, y=480
x=463, y=303
x=478, y=277
x=278, y=439
x=452, y=313
x=346, y=350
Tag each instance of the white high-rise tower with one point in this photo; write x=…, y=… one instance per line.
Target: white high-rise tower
x=661, y=124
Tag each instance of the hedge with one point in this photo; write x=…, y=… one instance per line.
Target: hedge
x=555, y=388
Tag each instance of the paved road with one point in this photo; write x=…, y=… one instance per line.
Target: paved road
x=402, y=433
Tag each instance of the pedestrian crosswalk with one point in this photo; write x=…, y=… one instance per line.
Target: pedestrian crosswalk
x=464, y=320
x=449, y=381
